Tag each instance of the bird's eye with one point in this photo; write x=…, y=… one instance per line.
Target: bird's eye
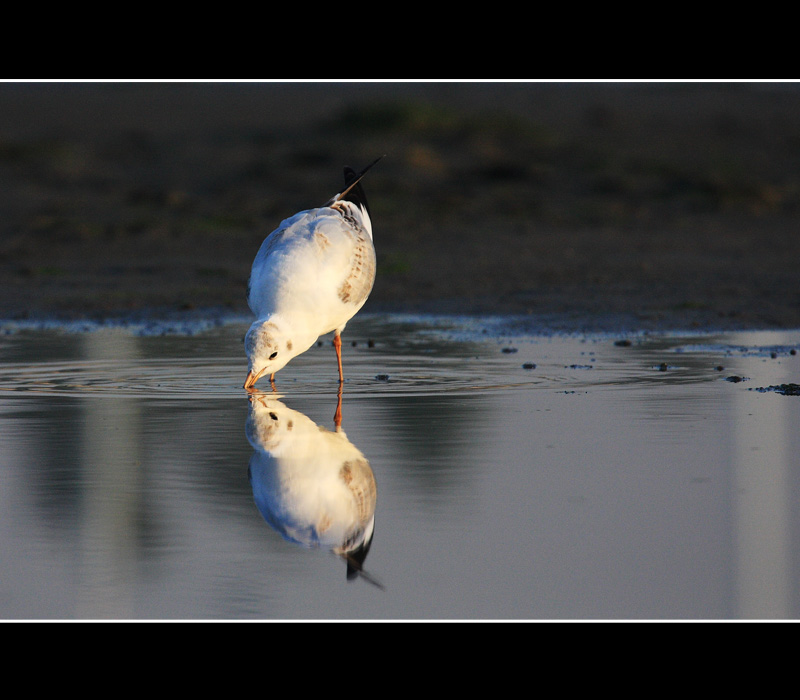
x=273, y=355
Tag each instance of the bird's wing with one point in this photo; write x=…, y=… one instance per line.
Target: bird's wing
x=332, y=245
x=350, y=237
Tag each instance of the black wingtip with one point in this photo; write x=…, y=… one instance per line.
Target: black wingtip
x=355, y=564
x=353, y=191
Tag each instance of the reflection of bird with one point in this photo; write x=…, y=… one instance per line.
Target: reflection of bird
x=310, y=484
x=310, y=277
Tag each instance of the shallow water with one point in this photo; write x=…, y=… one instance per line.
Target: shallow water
x=609, y=481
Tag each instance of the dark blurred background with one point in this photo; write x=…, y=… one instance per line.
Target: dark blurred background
x=664, y=203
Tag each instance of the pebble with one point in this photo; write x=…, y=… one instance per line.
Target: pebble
x=785, y=389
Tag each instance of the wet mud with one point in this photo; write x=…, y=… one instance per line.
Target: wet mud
x=579, y=206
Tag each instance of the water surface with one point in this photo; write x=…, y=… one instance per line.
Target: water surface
x=516, y=476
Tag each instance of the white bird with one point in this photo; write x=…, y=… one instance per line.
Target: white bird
x=310, y=277
x=311, y=485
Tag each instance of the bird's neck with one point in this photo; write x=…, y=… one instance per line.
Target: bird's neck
x=295, y=330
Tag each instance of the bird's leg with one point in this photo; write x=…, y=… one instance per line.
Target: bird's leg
x=337, y=344
x=272, y=381
x=337, y=416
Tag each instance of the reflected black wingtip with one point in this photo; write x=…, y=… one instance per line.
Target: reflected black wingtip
x=355, y=563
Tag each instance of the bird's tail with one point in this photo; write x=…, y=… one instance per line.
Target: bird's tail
x=353, y=191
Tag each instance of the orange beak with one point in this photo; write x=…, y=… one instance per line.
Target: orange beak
x=252, y=378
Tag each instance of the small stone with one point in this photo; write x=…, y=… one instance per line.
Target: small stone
x=529, y=365
x=785, y=389
x=622, y=343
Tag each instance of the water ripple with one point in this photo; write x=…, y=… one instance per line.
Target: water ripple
x=140, y=378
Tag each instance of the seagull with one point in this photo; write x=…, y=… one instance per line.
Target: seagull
x=312, y=485
x=310, y=277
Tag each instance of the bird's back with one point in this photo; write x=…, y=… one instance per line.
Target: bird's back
x=320, y=259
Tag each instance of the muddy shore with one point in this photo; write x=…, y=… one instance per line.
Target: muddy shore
x=646, y=205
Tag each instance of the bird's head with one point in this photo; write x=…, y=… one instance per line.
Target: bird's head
x=269, y=347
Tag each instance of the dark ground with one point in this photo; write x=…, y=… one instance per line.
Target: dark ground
x=665, y=205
